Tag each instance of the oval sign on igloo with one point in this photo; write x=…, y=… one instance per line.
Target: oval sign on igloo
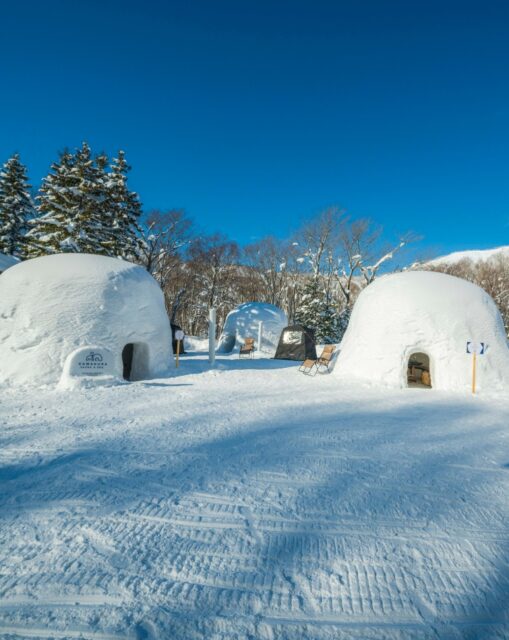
x=91, y=361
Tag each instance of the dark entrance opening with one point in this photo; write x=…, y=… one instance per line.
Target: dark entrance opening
x=418, y=374
x=127, y=360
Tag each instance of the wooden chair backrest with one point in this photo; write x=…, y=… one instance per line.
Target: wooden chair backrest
x=327, y=352
x=249, y=343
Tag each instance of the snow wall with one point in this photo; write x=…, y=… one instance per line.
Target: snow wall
x=65, y=312
x=243, y=322
x=423, y=311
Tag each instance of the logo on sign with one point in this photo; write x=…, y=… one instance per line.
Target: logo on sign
x=93, y=362
x=94, y=357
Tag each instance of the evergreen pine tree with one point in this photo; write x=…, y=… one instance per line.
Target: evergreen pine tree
x=53, y=230
x=317, y=311
x=71, y=206
x=343, y=320
x=16, y=207
x=124, y=210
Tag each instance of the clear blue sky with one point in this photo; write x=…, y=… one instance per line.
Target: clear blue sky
x=253, y=115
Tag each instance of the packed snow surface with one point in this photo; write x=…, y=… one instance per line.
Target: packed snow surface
x=243, y=322
x=253, y=503
x=402, y=314
x=51, y=306
x=475, y=255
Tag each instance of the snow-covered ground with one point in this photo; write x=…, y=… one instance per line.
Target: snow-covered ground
x=252, y=502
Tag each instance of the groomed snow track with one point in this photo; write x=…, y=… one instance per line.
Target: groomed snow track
x=196, y=508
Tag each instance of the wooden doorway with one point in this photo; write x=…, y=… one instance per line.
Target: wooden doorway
x=418, y=371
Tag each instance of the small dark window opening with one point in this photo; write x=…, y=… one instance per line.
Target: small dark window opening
x=419, y=374
x=127, y=360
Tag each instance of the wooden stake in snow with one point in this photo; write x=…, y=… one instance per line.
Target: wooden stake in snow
x=212, y=336
x=179, y=336
x=260, y=331
x=475, y=348
x=474, y=362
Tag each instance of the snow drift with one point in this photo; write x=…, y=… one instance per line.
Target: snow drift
x=61, y=312
x=243, y=322
x=424, y=312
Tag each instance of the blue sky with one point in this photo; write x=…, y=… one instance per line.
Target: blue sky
x=256, y=115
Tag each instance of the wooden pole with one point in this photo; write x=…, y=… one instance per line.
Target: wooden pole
x=178, y=351
x=474, y=362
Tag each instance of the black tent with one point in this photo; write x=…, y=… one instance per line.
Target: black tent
x=174, y=329
x=296, y=343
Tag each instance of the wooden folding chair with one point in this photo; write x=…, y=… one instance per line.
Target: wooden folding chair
x=312, y=367
x=308, y=366
x=326, y=357
x=247, y=349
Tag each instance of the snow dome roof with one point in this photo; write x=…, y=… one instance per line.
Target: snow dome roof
x=52, y=306
x=243, y=322
x=424, y=312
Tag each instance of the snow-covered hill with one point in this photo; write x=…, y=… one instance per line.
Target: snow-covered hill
x=475, y=255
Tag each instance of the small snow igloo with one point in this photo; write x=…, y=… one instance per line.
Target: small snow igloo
x=75, y=316
x=412, y=328
x=244, y=321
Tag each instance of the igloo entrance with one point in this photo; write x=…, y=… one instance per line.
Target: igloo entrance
x=418, y=371
x=134, y=361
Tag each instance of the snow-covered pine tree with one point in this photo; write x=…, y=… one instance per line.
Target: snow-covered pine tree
x=92, y=221
x=16, y=207
x=53, y=230
x=123, y=209
x=71, y=207
x=342, y=323
x=317, y=311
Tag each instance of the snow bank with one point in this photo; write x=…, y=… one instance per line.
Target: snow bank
x=243, y=322
x=194, y=343
x=71, y=315
x=432, y=313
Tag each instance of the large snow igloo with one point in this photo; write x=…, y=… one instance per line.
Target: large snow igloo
x=406, y=323
x=73, y=316
x=243, y=322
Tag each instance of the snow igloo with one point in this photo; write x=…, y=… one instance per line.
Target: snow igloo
x=78, y=317
x=412, y=329
x=244, y=321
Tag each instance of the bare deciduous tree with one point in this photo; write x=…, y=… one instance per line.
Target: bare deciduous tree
x=165, y=239
x=492, y=275
x=166, y=235
x=213, y=262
